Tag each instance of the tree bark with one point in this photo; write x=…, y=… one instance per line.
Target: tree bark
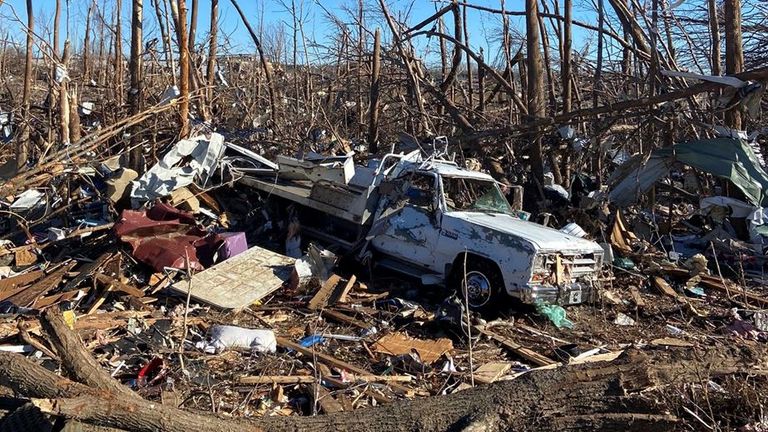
x=734, y=54
x=566, y=55
x=611, y=396
x=264, y=65
x=64, y=98
x=76, y=360
x=136, y=92
x=373, y=121
x=22, y=142
x=181, y=32
x=535, y=87
x=714, y=30
x=118, y=84
x=212, y=47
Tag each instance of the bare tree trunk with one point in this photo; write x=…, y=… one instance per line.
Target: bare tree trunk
x=481, y=84
x=22, y=144
x=535, y=87
x=547, y=68
x=56, y=21
x=87, y=44
x=373, y=124
x=137, y=85
x=102, y=68
x=734, y=54
x=262, y=57
x=211, y=72
x=165, y=34
x=74, y=116
x=118, y=55
x=714, y=29
x=566, y=56
x=193, y=72
x=410, y=70
x=64, y=99
x=470, y=102
x=181, y=31
x=192, y=26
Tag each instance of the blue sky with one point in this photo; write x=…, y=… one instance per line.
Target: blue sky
x=484, y=28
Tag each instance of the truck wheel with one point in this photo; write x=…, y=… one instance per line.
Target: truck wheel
x=483, y=284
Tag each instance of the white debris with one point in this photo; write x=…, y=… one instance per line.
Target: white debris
x=166, y=176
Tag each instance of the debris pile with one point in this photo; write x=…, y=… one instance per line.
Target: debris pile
x=175, y=288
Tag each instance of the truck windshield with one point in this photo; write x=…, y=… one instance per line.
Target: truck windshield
x=463, y=194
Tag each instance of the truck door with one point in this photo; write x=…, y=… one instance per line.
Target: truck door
x=409, y=228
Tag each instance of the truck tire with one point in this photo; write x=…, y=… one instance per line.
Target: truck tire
x=483, y=280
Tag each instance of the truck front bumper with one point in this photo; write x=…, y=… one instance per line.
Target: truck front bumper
x=569, y=294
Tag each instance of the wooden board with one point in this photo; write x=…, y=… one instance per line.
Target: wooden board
x=320, y=300
x=491, y=371
x=241, y=280
x=399, y=343
x=13, y=282
x=516, y=348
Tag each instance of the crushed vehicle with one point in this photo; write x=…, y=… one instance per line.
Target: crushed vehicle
x=431, y=219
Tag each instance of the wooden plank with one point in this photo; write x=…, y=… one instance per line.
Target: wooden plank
x=308, y=379
x=345, y=319
x=86, y=270
x=429, y=350
x=347, y=288
x=325, y=400
x=13, y=282
x=44, y=302
x=28, y=295
x=664, y=287
x=491, y=371
x=277, y=379
x=323, y=295
x=113, y=284
x=716, y=284
x=528, y=354
x=636, y=297
x=332, y=361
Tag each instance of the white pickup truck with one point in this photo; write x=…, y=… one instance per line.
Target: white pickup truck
x=434, y=220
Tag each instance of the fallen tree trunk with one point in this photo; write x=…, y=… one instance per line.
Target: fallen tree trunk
x=75, y=359
x=600, y=395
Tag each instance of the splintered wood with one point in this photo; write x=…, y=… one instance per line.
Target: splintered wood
x=516, y=348
x=492, y=371
x=429, y=351
x=323, y=295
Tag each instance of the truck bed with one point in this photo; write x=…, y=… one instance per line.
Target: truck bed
x=348, y=202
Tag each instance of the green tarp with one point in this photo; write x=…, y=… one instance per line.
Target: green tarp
x=723, y=157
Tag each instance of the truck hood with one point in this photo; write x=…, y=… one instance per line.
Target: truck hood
x=543, y=238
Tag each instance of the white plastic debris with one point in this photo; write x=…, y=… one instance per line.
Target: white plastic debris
x=228, y=337
x=317, y=263
x=623, y=320
x=27, y=200
x=166, y=176
x=61, y=74
x=169, y=95
x=86, y=108
x=724, y=80
x=56, y=234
